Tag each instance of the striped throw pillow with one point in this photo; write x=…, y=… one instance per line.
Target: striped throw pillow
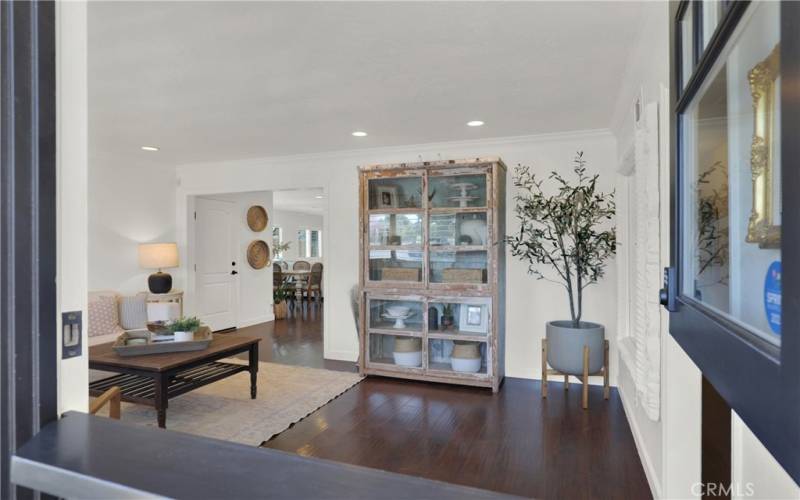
x=133, y=311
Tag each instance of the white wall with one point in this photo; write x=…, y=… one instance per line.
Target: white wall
x=254, y=285
x=290, y=222
x=530, y=303
x=647, y=71
x=71, y=173
x=131, y=201
x=755, y=472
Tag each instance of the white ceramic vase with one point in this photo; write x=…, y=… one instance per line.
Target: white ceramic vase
x=184, y=336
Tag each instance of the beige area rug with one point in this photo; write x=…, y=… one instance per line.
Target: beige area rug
x=224, y=410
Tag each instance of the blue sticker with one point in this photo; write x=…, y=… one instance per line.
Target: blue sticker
x=772, y=296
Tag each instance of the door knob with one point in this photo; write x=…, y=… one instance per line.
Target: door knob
x=666, y=296
x=234, y=272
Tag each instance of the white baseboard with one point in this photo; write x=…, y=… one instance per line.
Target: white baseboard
x=649, y=470
x=254, y=321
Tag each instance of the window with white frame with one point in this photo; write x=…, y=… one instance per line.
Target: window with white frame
x=277, y=240
x=309, y=243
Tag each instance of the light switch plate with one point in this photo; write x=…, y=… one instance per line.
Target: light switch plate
x=71, y=334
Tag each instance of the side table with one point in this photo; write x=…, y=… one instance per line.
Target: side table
x=171, y=296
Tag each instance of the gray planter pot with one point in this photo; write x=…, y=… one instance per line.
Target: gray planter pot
x=565, y=346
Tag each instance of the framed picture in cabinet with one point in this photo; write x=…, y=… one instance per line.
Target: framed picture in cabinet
x=473, y=318
x=387, y=197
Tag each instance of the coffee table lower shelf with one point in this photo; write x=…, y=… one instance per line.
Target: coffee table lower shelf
x=139, y=389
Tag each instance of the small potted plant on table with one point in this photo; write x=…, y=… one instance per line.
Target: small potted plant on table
x=184, y=328
x=569, y=232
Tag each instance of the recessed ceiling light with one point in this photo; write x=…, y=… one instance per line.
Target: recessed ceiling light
x=149, y=148
x=319, y=197
x=474, y=123
x=359, y=133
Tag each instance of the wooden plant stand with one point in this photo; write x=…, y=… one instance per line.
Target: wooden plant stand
x=603, y=371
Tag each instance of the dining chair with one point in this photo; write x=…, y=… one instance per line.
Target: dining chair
x=301, y=265
x=314, y=284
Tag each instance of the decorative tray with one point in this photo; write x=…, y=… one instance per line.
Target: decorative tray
x=130, y=343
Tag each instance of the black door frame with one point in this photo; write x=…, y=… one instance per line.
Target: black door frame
x=759, y=381
x=28, y=312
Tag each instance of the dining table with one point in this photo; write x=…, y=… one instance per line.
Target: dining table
x=297, y=273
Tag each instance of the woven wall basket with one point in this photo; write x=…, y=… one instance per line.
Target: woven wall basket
x=258, y=254
x=257, y=218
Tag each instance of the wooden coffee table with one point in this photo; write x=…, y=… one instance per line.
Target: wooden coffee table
x=153, y=380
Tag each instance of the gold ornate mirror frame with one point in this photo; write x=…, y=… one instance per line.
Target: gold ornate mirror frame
x=761, y=228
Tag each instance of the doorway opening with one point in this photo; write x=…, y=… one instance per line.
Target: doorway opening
x=299, y=257
x=279, y=296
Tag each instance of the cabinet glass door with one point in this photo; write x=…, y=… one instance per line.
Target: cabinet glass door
x=459, y=317
x=395, y=193
x=458, y=229
x=395, y=351
x=395, y=328
x=457, y=191
x=395, y=315
x=395, y=265
x=458, y=356
x=395, y=229
x=460, y=267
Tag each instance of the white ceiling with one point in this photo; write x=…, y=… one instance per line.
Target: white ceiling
x=211, y=81
x=303, y=201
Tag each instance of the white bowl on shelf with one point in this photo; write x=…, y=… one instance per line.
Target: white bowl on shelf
x=413, y=359
x=466, y=365
x=398, y=311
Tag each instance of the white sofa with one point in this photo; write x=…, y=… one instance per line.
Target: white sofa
x=155, y=311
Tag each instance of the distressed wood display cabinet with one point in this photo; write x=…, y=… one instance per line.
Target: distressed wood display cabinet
x=432, y=273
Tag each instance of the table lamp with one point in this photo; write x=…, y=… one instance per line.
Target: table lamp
x=158, y=256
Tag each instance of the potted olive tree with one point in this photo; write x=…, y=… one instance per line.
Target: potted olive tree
x=566, y=236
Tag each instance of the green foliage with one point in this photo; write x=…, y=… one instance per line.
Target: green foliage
x=282, y=293
x=190, y=324
x=566, y=231
x=447, y=310
x=280, y=248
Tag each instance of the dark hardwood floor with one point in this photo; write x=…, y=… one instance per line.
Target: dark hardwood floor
x=511, y=442
x=296, y=340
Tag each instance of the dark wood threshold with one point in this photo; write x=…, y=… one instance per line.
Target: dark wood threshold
x=83, y=456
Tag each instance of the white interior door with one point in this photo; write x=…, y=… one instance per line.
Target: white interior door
x=216, y=278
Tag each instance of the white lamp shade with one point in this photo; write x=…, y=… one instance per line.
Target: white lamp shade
x=158, y=255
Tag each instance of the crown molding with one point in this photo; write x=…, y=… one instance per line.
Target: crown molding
x=359, y=154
